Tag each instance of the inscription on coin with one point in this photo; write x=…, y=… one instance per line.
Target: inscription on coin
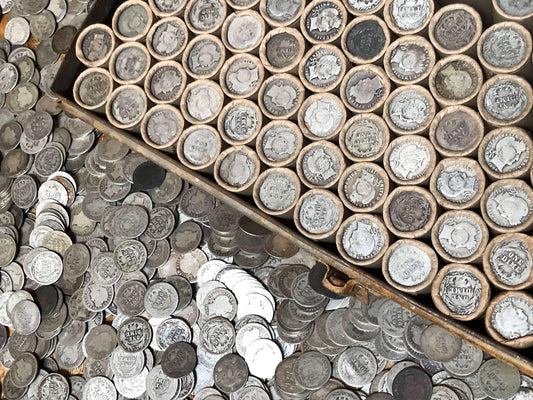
x=131, y=63
x=408, y=265
x=163, y=126
x=364, y=187
x=455, y=29
x=241, y=122
x=364, y=138
x=516, y=8
x=237, y=169
x=318, y=214
x=507, y=152
x=200, y=146
x=127, y=106
x=409, y=211
x=282, y=49
x=410, y=14
x=169, y=38
x=94, y=88
x=206, y=15
x=324, y=21
x=277, y=192
x=460, y=236
x=166, y=83
x=203, y=102
x=511, y=261
x=242, y=76
x=458, y=183
x=281, y=97
x=456, y=80
x=204, y=56
x=457, y=131
x=461, y=290
x=505, y=100
x=279, y=143
x=504, y=47
x=320, y=165
x=323, y=68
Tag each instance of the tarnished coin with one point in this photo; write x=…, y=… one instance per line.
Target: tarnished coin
x=364, y=138
x=94, y=88
x=409, y=211
x=131, y=63
x=364, y=186
x=279, y=143
x=498, y=379
x=9, y=75
x=172, y=330
x=159, y=385
x=134, y=334
x=53, y=386
x=456, y=80
x=505, y=100
x=439, y=345
x=161, y=299
x=230, y=373
x=25, y=317
x=100, y=342
x=203, y=102
x=366, y=39
x=282, y=49
x=63, y=38
x=178, y=360
x=312, y=370
x=409, y=61
x=412, y=382
x=457, y=131
x=205, y=56
x=277, y=191
x=217, y=335
x=130, y=298
x=166, y=82
x=323, y=22
x=409, y=160
x=515, y=8
x=127, y=105
x=466, y=362
x=237, y=168
x=132, y=20
x=504, y=47
x=97, y=44
x=455, y=29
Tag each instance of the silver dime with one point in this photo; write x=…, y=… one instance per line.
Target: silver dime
x=324, y=21
x=511, y=261
x=129, y=298
x=320, y=165
x=219, y=302
x=25, y=317
x=203, y=102
x=461, y=290
x=169, y=6
x=409, y=61
x=244, y=32
x=355, y=366
x=362, y=239
x=97, y=297
x=127, y=106
x=506, y=152
x=458, y=183
x=466, y=362
x=277, y=192
x=279, y=143
x=242, y=76
x=505, y=100
x=165, y=83
x=100, y=342
x=511, y=317
x=312, y=370
x=206, y=15
x=217, y=335
x=43, y=25
x=409, y=160
x=410, y=15
x=17, y=31
x=9, y=76
x=508, y=206
x=241, y=122
x=134, y=334
x=237, y=168
x=230, y=373
x=262, y=357
x=364, y=187
x=132, y=20
x=53, y=386
x=364, y=90
x=323, y=68
x=318, y=214
x=323, y=117
x=455, y=29
x=204, y=56
x=440, y=345
x=94, y=88
x=504, y=47
x=200, y=146
x=161, y=299
x=169, y=38
x=366, y=40
x=96, y=45
x=409, y=110
x=172, y=330
x=99, y=388
x=408, y=265
x=281, y=97
x=460, y=236
x=131, y=63
x=364, y=138
x=130, y=256
x=516, y=8
x=283, y=10
x=498, y=379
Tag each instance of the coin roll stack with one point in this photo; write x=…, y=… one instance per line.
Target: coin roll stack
x=367, y=123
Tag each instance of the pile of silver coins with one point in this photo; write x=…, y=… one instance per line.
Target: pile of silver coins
x=363, y=121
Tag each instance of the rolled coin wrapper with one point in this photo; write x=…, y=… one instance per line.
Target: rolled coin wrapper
x=410, y=212
x=364, y=137
x=132, y=21
x=410, y=160
x=365, y=89
x=322, y=68
x=507, y=10
x=362, y=239
x=198, y=147
x=239, y=122
x=456, y=80
x=130, y=63
x=280, y=96
x=320, y=165
x=460, y=236
x=506, y=153
x=365, y=40
x=507, y=206
x=204, y=56
x=322, y=117
x=409, y=60
x=167, y=39
x=237, y=168
x=95, y=45
x=243, y=32
x=241, y=76
x=163, y=9
x=277, y=14
x=204, y=17
x=410, y=266
x=165, y=82
x=126, y=107
x=507, y=319
x=318, y=215
x=497, y=57
x=279, y=143
x=281, y=50
x=162, y=126
x=92, y=89
x=461, y=291
x=360, y=8
x=323, y=21
x=202, y=101
x=506, y=100
x=364, y=187
x=455, y=29
x=456, y=131
x=457, y=183
x=408, y=18
x=276, y=192
x=508, y=261
x=409, y=110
